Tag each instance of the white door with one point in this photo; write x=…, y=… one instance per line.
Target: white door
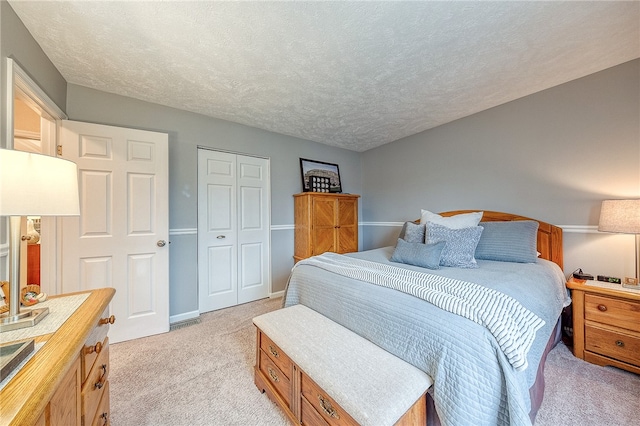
x=233, y=229
x=120, y=238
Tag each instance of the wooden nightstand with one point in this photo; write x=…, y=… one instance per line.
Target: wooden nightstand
x=606, y=324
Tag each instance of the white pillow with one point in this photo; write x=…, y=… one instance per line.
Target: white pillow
x=459, y=221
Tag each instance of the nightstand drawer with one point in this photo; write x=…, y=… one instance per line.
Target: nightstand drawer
x=620, y=346
x=608, y=310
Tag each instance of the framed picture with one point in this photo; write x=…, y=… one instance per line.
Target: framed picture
x=319, y=169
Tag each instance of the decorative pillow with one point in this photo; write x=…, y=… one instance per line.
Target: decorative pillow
x=460, y=244
x=418, y=254
x=463, y=220
x=412, y=232
x=514, y=241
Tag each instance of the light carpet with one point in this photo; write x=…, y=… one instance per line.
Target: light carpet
x=203, y=375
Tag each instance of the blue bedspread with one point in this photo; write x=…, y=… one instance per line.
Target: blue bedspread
x=474, y=383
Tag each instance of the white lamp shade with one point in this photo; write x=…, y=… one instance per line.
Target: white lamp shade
x=621, y=216
x=37, y=185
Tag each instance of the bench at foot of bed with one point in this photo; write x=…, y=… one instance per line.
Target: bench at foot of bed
x=321, y=373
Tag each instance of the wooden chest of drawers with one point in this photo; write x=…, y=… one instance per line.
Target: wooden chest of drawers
x=66, y=382
x=606, y=324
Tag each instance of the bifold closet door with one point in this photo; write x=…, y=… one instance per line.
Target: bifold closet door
x=233, y=229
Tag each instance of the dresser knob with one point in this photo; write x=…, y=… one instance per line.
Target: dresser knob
x=91, y=349
x=602, y=308
x=109, y=320
x=620, y=343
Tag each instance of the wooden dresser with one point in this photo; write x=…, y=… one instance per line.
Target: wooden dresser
x=66, y=381
x=325, y=222
x=606, y=324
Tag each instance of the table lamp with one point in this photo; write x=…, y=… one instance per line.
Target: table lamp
x=622, y=216
x=32, y=185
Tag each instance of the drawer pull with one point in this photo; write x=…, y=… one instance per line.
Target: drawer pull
x=109, y=320
x=274, y=352
x=97, y=348
x=105, y=418
x=620, y=343
x=273, y=375
x=100, y=383
x=602, y=308
x=327, y=407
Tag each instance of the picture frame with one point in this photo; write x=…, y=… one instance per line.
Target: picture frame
x=320, y=168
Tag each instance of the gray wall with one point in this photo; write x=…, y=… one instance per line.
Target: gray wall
x=16, y=43
x=186, y=132
x=553, y=155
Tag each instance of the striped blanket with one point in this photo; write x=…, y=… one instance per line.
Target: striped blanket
x=513, y=326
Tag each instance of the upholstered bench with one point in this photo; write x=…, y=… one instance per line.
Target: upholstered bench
x=319, y=373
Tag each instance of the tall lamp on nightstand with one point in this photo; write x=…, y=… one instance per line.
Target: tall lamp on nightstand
x=32, y=185
x=622, y=216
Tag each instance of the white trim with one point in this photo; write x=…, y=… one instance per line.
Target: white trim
x=276, y=294
x=569, y=229
x=21, y=79
x=183, y=317
x=183, y=231
x=26, y=134
x=381, y=223
x=282, y=227
x=579, y=229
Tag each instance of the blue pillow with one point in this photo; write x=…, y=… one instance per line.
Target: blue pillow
x=514, y=241
x=418, y=254
x=460, y=244
x=413, y=232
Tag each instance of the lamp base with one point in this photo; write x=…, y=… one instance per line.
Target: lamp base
x=23, y=319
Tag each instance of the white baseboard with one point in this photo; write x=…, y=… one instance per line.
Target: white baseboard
x=183, y=317
x=276, y=294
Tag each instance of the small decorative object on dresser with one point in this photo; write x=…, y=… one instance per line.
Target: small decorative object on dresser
x=330, y=171
x=606, y=324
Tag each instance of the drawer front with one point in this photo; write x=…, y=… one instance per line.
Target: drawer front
x=278, y=380
x=93, y=388
x=617, y=312
x=309, y=415
x=277, y=355
x=620, y=346
x=103, y=413
x=97, y=336
x=323, y=404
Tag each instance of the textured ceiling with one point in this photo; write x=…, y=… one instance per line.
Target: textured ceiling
x=350, y=74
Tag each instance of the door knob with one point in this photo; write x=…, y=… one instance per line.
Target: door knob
x=161, y=243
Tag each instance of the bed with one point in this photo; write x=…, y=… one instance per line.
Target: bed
x=479, y=379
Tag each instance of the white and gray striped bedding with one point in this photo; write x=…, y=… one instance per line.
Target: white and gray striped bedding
x=474, y=382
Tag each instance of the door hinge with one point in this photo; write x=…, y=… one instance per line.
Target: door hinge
x=60, y=150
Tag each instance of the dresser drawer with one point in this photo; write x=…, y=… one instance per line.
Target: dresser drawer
x=276, y=377
x=103, y=413
x=93, y=388
x=309, y=415
x=323, y=404
x=612, y=311
x=94, y=342
x=607, y=342
x=277, y=355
